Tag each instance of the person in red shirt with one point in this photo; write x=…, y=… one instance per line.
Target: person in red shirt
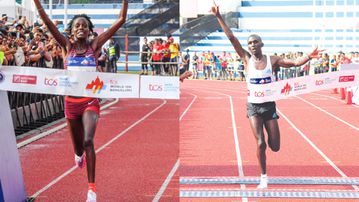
x=166, y=55
x=157, y=56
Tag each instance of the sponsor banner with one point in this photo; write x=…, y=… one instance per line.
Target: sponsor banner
x=159, y=86
x=66, y=82
x=301, y=85
x=12, y=184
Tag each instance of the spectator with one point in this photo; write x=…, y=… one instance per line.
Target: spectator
x=157, y=56
x=186, y=59
x=166, y=56
x=195, y=65
x=333, y=63
x=114, y=55
x=145, y=56
x=174, y=49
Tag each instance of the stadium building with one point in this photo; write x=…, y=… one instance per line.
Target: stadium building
x=284, y=25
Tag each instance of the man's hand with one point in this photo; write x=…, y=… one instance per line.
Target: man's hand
x=315, y=53
x=215, y=9
x=185, y=75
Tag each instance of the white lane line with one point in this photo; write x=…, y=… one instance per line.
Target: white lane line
x=236, y=142
x=166, y=182
x=235, y=134
x=175, y=167
x=189, y=106
x=333, y=98
x=335, y=117
x=98, y=150
x=57, y=128
x=316, y=148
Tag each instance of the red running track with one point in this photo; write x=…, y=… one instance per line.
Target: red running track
x=137, y=148
x=319, y=138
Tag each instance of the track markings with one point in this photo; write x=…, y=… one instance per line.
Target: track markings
x=98, y=150
x=272, y=193
x=271, y=180
x=321, y=153
x=176, y=165
x=328, y=113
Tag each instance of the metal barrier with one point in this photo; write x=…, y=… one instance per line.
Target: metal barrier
x=30, y=111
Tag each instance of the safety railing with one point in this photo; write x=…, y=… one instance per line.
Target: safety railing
x=30, y=111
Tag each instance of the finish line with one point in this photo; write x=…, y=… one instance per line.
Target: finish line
x=273, y=193
x=271, y=180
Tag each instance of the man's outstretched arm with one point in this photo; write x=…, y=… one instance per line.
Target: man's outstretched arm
x=299, y=61
x=236, y=44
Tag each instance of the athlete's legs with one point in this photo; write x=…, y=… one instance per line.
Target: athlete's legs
x=90, y=119
x=77, y=135
x=272, y=129
x=256, y=123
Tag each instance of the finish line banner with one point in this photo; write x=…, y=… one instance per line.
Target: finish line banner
x=77, y=83
x=301, y=85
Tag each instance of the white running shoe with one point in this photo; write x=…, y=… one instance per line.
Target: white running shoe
x=263, y=184
x=91, y=196
x=80, y=161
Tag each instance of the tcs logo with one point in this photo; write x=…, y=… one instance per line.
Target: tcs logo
x=319, y=82
x=153, y=87
x=258, y=94
x=50, y=82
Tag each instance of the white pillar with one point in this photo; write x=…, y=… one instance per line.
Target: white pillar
x=335, y=28
x=11, y=178
x=66, y=2
x=356, y=20
x=50, y=9
x=313, y=29
x=345, y=27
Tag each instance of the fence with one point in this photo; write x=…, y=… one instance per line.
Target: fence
x=30, y=111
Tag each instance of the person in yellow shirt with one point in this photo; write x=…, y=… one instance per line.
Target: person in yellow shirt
x=174, y=49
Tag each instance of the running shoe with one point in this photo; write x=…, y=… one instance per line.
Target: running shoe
x=263, y=184
x=91, y=196
x=80, y=161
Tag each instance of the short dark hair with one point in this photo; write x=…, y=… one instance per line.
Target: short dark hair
x=255, y=36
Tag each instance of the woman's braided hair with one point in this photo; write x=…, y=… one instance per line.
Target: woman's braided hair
x=70, y=24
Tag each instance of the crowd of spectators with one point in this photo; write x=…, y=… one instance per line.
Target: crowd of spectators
x=217, y=66
x=162, y=57
x=229, y=66
x=26, y=44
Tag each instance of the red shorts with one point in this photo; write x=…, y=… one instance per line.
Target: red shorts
x=75, y=107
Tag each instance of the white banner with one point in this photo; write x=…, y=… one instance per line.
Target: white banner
x=65, y=82
x=301, y=85
x=11, y=179
x=85, y=84
x=159, y=86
